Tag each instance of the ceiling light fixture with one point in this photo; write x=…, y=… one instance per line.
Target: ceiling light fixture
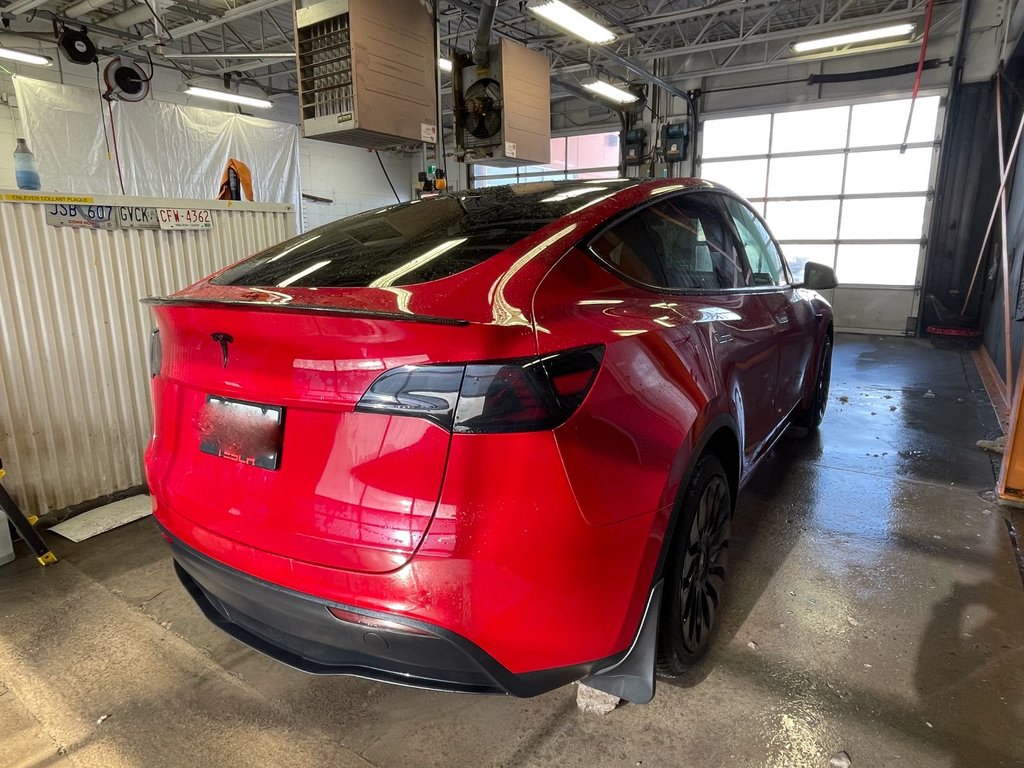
x=864, y=36
x=445, y=65
x=231, y=55
x=570, y=20
x=234, y=98
x=609, y=91
x=26, y=58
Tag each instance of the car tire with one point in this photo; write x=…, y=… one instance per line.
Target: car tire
x=695, y=569
x=811, y=417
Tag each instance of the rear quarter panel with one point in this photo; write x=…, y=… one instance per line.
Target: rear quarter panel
x=627, y=449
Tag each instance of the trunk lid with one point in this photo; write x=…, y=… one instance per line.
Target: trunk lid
x=350, y=490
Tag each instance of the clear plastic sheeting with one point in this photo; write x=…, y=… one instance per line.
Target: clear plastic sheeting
x=166, y=150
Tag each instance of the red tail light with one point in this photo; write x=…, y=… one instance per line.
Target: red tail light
x=512, y=396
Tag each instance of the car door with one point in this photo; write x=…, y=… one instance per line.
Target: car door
x=787, y=305
x=702, y=258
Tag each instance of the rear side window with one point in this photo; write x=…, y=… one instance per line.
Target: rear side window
x=414, y=242
x=631, y=249
x=679, y=244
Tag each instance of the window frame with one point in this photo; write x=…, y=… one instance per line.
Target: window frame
x=513, y=174
x=586, y=244
x=786, y=273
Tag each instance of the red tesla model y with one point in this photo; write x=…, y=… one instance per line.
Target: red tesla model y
x=489, y=441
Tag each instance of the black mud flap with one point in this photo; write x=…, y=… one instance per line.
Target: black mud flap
x=632, y=678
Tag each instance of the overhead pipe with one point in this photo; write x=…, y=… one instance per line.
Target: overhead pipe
x=645, y=74
x=482, y=44
x=129, y=17
x=21, y=6
x=84, y=7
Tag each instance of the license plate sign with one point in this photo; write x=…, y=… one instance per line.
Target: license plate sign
x=184, y=218
x=249, y=433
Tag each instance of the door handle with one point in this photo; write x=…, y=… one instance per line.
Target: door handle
x=722, y=338
x=783, y=319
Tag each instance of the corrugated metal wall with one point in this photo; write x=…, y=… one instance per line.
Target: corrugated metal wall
x=74, y=387
x=965, y=190
x=990, y=290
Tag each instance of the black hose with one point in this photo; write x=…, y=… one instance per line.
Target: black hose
x=385, y=170
x=874, y=74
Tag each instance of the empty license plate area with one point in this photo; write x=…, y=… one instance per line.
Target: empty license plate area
x=249, y=433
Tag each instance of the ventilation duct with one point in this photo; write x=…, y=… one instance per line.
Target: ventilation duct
x=84, y=7
x=128, y=18
x=482, y=45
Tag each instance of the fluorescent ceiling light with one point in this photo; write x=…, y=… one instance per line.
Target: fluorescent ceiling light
x=230, y=55
x=570, y=20
x=445, y=65
x=864, y=36
x=26, y=58
x=234, y=98
x=609, y=91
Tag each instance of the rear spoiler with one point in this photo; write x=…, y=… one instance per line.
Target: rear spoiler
x=311, y=309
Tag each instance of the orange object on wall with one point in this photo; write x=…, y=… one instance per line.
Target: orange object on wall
x=237, y=179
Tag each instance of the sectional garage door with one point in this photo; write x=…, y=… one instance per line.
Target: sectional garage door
x=837, y=187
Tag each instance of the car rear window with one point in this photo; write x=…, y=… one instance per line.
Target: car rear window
x=414, y=242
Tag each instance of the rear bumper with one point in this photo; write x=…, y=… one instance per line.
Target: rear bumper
x=300, y=631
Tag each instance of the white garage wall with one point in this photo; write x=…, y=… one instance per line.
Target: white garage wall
x=349, y=176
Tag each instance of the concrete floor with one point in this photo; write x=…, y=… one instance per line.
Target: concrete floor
x=876, y=607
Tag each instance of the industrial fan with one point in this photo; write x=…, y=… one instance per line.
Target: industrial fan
x=482, y=108
x=125, y=81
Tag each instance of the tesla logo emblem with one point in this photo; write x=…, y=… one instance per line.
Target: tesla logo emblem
x=223, y=339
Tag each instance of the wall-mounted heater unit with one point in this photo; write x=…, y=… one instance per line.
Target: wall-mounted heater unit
x=503, y=109
x=366, y=72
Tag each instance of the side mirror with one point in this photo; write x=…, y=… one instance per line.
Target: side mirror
x=819, y=277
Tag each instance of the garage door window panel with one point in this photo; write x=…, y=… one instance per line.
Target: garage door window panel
x=744, y=177
x=807, y=130
x=888, y=171
x=883, y=218
x=803, y=219
x=881, y=123
x=737, y=136
x=806, y=175
x=596, y=150
x=590, y=156
x=884, y=264
x=797, y=256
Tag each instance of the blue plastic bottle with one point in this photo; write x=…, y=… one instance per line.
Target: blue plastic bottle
x=26, y=172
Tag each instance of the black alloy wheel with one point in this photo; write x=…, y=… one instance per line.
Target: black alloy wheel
x=810, y=418
x=695, y=575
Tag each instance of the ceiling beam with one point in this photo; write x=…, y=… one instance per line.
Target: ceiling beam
x=793, y=33
x=21, y=6
x=238, y=12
